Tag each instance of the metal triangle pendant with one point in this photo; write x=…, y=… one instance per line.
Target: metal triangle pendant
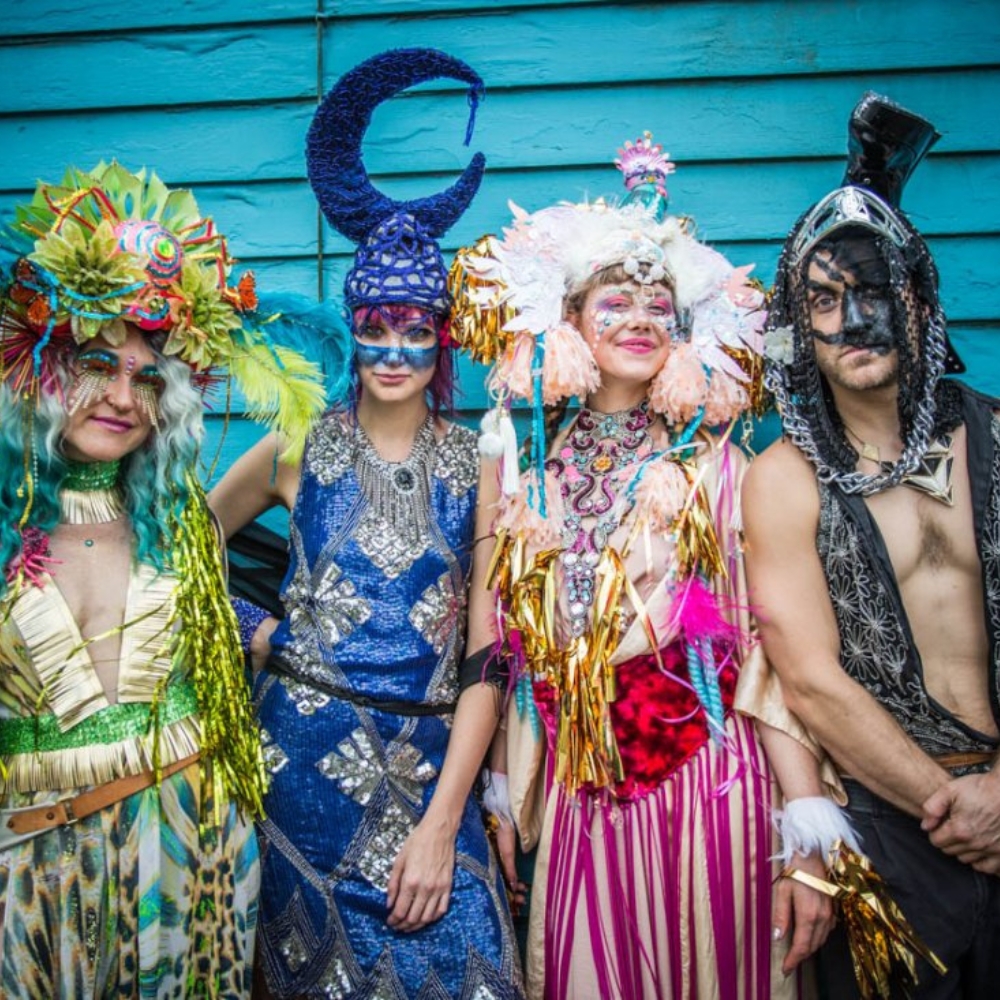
x=933, y=475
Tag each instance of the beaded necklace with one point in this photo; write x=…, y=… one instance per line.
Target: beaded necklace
x=399, y=492
x=589, y=466
x=90, y=493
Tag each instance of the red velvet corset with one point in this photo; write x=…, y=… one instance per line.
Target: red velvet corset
x=658, y=722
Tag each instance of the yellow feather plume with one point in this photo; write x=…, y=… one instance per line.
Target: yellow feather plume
x=281, y=389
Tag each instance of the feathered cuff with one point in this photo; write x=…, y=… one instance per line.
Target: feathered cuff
x=812, y=825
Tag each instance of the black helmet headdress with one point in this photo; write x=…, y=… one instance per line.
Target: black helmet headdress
x=885, y=144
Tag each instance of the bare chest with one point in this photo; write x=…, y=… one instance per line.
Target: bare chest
x=925, y=538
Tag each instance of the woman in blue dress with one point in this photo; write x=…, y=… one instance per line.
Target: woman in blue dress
x=378, y=878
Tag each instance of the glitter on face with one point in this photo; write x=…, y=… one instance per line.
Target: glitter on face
x=616, y=304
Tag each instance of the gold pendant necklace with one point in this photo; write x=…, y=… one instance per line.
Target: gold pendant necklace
x=931, y=477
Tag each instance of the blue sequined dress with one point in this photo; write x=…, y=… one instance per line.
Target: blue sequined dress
x=356, y=706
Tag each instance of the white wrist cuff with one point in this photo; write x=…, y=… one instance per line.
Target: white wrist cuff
x=812, y=825
x=496, y=798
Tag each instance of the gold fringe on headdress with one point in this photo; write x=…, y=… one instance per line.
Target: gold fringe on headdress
x=480, y=310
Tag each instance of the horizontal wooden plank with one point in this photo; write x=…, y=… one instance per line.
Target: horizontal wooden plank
x=45, y=17
x=187, y=146
x=343, y=10
x=212, y=66
x=733, y=201
x=697, y=120
x=422, y=133
x=616, y=42
x=52, y=17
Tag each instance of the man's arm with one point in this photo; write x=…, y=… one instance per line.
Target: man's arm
x=789, y=596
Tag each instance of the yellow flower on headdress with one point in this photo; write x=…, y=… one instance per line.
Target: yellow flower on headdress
x=205, y=320
x=91, y=268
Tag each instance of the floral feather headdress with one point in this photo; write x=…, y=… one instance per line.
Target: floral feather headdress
x=110, y=247
x=510, y=295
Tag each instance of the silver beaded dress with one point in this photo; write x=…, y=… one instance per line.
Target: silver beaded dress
x=356, y=706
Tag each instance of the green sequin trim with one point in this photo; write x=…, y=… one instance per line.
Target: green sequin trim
x=111, y=725
x=88, y=476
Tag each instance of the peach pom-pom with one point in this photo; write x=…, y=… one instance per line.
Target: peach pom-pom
x=569, y=368
x=680, y=387
x=521, y=518
x=726, y=399
x=513, y=370
x=661, y=493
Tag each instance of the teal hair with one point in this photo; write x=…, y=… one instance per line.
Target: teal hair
x=154, y=477
x=44, y=423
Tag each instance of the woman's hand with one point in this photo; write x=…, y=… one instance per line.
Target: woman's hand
x=808, y=913
x=421, y=878
x=506, y=838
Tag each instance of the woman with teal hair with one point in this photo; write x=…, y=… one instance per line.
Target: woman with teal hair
x=130, y=765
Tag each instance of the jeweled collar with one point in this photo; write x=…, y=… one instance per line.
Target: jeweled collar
x=90, y=493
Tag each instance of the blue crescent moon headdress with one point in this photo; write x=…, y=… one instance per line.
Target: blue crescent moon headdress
x=398, y=259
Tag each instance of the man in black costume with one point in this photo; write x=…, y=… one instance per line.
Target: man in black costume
x=873, y=549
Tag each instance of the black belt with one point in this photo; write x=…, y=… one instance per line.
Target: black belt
x=276, y=665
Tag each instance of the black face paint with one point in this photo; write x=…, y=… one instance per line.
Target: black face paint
x=865, y=309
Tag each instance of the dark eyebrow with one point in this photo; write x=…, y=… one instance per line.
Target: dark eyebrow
x=820, y=286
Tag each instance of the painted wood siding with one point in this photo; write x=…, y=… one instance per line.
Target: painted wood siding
x=750, y=96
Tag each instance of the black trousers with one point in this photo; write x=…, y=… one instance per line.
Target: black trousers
x=954, y=909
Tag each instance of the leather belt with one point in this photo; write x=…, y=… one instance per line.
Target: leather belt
x=30, y=821
x=969, y=759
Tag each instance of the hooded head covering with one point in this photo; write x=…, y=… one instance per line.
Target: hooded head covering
x=885, y=144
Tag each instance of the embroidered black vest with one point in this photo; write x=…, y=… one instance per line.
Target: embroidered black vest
x=876, y=642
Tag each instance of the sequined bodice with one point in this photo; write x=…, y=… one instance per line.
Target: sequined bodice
x=379, y=554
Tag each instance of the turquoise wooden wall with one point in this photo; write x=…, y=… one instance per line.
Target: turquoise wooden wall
x=750, y=97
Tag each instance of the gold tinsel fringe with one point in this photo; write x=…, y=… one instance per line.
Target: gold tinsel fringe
x=208, y=644
x=884, y=947
x=479, y=312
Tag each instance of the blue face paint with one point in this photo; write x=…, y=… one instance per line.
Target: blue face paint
x=417, y=358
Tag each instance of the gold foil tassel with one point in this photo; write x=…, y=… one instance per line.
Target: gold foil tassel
x=884, y=947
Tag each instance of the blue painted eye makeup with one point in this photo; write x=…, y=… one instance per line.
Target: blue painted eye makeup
x=97, y=360
x=417, y=358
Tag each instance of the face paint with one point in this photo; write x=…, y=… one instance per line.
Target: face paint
x=97, y=369
x=865, y=309
x=615, y=305
x=396, y=356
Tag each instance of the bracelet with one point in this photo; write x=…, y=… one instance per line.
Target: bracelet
x=249, y=616
x=812, y=825
x=496, y=797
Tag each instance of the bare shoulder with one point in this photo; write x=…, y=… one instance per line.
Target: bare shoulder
x=780, y=485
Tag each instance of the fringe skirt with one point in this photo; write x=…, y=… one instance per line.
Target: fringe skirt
x=664, y=896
